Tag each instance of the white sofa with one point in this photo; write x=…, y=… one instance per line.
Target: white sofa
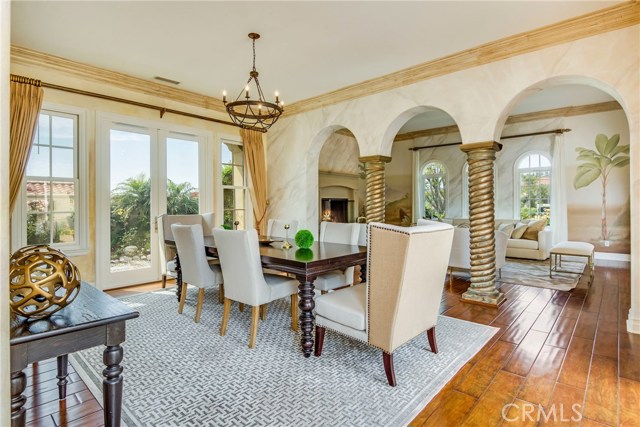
x=521, y=248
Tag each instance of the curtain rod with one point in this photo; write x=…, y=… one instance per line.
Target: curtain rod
x=162, y=110
x=546, y=132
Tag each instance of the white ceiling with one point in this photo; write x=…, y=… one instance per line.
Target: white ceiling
x=306, y=49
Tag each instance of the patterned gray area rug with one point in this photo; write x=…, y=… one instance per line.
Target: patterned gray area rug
x=536, y=273
x=179, y=373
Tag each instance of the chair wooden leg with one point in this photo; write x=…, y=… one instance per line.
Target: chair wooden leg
x=199, y=305
x=183, y=297
x=319, y=340
x=221, y=293
x=323, y=292
x=431, y=335
x=255, y=313
x=294, y=312
x=388, y=368
x=225, y=316
x=263, y=312
x=450, y=279
x=241, y=307
x=164, y=280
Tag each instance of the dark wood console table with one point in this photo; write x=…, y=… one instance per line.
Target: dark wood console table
x=93, y=319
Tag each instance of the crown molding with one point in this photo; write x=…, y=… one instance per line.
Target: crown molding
x=34, y=58
x=601, y=21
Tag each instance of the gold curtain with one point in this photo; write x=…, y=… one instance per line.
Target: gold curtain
x=254, y=159
x=26, y=100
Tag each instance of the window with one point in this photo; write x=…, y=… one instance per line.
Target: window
x=52, y=210
x=183, y=194
x=533, y=178
x=234, y=185
x=434, y=184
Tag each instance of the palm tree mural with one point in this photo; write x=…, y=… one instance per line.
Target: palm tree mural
x=598, y=164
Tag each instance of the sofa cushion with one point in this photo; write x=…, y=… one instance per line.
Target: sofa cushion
x=522, y=244
x=519, y=230
x=507, y=228
x=533, y=228
x=345, y=306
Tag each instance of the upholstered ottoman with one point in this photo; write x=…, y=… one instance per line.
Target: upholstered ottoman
x=579, y=249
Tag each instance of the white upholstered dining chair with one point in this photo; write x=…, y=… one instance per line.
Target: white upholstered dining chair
x=245, y=281
x=337, y=232
x=196, y=268
x=167, y=253
x=406, y=267
x=275, y=228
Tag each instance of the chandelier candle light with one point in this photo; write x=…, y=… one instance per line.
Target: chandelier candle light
x=252, y=114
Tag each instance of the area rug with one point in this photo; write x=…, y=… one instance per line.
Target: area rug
x=536, y=273
x=179, y=373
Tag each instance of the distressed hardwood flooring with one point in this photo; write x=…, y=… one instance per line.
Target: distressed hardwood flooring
x=559, y=359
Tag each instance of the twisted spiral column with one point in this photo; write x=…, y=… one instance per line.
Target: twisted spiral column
x=481, y=158
x=374, y=173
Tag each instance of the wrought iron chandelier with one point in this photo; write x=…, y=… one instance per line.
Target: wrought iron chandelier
x=252, y=114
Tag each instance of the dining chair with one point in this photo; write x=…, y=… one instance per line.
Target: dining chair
x=196, y=268
x=245, y=281
x=401, y=297
x=167, y=253
x=275, y=228
x=337, y=232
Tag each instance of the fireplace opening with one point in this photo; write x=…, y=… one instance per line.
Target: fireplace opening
x=335, y=210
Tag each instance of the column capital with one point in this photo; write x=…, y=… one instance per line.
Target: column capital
x=375, y=158
x=490, y=145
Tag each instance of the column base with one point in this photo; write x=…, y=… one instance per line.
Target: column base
x=633, y=322
x=494, y=299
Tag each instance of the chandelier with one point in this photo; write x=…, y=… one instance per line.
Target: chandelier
x=252, y=114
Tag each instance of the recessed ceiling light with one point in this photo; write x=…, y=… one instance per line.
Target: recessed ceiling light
x=166, y=80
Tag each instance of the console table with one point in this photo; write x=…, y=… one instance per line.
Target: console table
x=93, y=318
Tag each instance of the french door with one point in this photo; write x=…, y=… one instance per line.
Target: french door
x=142, y=171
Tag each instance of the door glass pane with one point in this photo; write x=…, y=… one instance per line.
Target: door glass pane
x=233, y=208
x=130, y=173
x=182, y=177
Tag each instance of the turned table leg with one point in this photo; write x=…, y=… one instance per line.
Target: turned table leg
x=62, y=376
x=307, y=319
x=363, y=272
x=18, y=384
x=112, y=385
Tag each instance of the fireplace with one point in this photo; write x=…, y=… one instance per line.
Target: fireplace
x=335, y=210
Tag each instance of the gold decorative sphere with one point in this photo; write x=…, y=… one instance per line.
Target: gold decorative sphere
x=42, y=281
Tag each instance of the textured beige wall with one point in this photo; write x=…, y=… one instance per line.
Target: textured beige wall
x=86, y=263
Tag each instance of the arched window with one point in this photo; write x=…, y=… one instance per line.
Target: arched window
x=533, y=181
x=465, y=188
x=434, y=190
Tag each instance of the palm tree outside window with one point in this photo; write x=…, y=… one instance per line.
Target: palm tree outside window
x=434, y=183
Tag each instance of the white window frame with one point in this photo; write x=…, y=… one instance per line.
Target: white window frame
x=422, y=189
x=248, y=214
x=81, y=152
x=516, y=178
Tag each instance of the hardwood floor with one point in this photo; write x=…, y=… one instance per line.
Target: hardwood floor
x=554, y=350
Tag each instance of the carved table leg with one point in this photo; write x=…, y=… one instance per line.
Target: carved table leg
x=178, y=278
x=62, y=376
x=307, y=319
x=112, y=385
x=18, y=384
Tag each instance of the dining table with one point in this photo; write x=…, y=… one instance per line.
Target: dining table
x=304, y=264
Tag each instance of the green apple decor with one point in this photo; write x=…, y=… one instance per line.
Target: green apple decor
x=304, y=239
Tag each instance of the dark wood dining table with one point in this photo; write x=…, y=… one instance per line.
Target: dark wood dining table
x=305, y=265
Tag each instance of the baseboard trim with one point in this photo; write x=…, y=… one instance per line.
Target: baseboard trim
x=633, y=322
x=613, y=256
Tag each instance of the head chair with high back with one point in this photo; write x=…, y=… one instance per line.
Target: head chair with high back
x=346, y=234
x=245, y=281
x=195, y=267
x=406, y=267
